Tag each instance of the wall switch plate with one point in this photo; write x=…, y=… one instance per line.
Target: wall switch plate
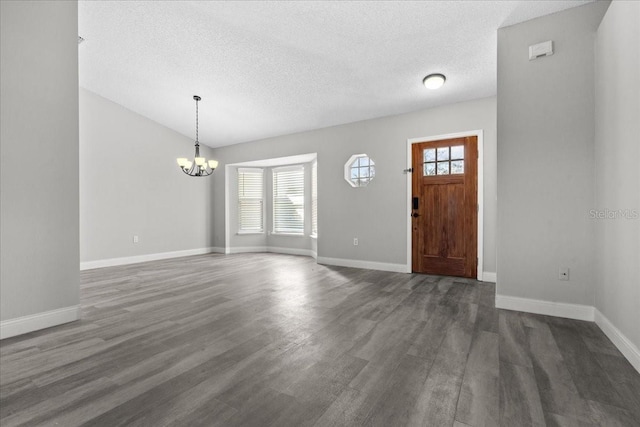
x=355, y=241
x=135, y=239
x=563, y=273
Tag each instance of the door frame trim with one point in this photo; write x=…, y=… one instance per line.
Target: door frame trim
x=480, y=194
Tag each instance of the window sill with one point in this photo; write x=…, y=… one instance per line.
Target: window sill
x=273, y=233
x=248, y=233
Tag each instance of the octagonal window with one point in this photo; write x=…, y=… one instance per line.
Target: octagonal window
x=359, y=170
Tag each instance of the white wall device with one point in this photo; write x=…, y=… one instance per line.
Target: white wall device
x=541, y=49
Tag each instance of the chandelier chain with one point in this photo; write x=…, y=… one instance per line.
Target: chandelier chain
x=196, y=120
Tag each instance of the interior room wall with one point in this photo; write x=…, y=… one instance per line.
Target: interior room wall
x=617, y=171
x=39, y=165
x=546, y=157
x=376, y=214
x=131, y=185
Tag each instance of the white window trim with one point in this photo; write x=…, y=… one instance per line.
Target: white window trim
x=297, y=167
x=288, y=168
x=314, y=191
x=249, y=232
x=347, y=170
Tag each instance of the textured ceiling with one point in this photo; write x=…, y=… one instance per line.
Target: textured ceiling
x=272, y=68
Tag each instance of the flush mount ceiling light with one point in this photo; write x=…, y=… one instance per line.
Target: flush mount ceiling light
x=199, y=166
x=434, y=81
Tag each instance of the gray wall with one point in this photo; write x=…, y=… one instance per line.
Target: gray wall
x=617, y=160
x=545, y=157
x=39, y=157
x=131, y=185
x=376, y=214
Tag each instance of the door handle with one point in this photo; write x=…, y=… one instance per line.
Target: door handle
x=415, y=215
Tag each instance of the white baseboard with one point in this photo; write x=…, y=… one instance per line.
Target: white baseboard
x=291, y=251
x=578, y=312
x=33, y=322
x=111, y=262
x=341, y=262
x=271, y=249
x=626, y=347
x=489, y=276
x=548, y=308
x=370, y=265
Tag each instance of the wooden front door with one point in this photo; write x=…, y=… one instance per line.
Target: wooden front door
x=445, y=207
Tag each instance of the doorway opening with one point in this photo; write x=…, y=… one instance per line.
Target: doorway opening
x=445, y=204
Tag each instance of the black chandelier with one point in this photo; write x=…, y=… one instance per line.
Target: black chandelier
x=199, y=166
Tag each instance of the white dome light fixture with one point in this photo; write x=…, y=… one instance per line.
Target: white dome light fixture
x=434, y=81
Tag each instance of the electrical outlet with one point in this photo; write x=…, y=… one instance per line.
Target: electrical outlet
x=135, y=239
x=563, y=273
x=355, y=241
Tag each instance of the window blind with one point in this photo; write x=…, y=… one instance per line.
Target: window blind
x=250, y=200
x=314, y=199
x=288, y=200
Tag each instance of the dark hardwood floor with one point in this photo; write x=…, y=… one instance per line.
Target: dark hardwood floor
x=277, y=340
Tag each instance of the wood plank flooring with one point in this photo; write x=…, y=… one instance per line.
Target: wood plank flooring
x=277, y=340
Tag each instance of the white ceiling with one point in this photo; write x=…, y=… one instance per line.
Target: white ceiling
x=272, y=68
